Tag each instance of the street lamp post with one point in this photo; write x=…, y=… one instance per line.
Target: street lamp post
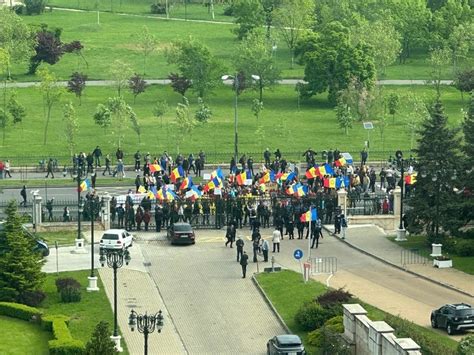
x=115, y=259
x=146, y=324
x=79, y=240
x=92, y=278
x=401, y=163
x=236, y=84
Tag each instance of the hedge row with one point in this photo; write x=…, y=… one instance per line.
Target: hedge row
x=63, y=342
x=20, y=311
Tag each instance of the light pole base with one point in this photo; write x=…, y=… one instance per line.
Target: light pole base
x=401, y=235
x=79, y=249
x=116, y=340
x=92, y=284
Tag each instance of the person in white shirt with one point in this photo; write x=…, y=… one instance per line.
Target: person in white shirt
x=276, y=236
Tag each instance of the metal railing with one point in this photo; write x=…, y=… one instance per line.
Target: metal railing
x=324, y=265
x=412, y=256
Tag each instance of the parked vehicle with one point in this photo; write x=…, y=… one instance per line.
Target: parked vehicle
x=116, y=239
x=453, y=317
x=40, y=245
x=286, y=344
x=181, y=233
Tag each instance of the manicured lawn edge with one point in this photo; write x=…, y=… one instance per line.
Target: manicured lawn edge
x=283, y=304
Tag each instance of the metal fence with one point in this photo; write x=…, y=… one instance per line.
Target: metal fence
x=324, y=265
x=412, y=256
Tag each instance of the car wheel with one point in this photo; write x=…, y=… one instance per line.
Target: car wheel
x=433, y=323
x=450, y=329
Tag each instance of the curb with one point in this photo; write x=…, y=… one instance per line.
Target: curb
x=439, y=283
x=270, y=304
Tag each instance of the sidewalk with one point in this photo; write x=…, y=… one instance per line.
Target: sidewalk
x=373, y=241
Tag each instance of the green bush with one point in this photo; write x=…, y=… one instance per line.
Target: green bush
x=334, y=297
x=466, y=345
x=33, y=7
x=63, y=343
x=70, y=294
x=32, y=298
x=334, y=325
x=64, y=282
x=311, y=316
x=20, y=311
x=464, y=247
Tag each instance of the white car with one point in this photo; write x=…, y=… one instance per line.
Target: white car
x=116, y=239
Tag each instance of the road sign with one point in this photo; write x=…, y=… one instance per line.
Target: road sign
x=298, y=254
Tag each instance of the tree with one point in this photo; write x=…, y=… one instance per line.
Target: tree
x=467, y=200
x=184, y=122
x=464, y=81
x=21, y=267
x=147, y=43
x=102, y=117
x=460, y=43
x=344, y=116
x=161, y=107
x=100, y=342
x=196, y=63
x=383, y=39
x=179, y=84
x=416, y=113
x=51, y=91
x=135, y=125
x=331, y=61
x=71, y=126
x=137, y=86
x=257, y=107
x=4, y=65
x=255, y=58
x=76, y=84
x=16, y=110
x=439, y=58
x=269, y=6
x=393, y=103
x=291, y=19
x=358, y=98
x=203, y=113
x=16, y=38
x=121, y=73
x=35, y=6
x=438, y=155
x=249, y=15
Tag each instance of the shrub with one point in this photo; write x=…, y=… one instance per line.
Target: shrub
x=19, y=9
x=334, y=325
x=32, y=298
x=464, y=247
x=63, y=343
x=20, y=311
x=71, y=294
x=466, y=345
x=158, y=9
x=311, y=316
x=229, y=10
x=64, y=282
x=34, y=6
x=334, y=297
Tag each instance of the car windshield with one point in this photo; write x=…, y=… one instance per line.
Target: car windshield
x=465, y=312
x=110, y=236
x=182, y=228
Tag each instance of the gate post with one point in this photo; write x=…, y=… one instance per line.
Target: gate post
x=342, y=200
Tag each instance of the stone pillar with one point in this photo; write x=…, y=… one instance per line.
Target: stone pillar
x=407, y=346
x=350, y=311
x=37, y=210
x=436, y=249
x=106, y=215
x=376, y=329
x=342, y=200
x=401, y=233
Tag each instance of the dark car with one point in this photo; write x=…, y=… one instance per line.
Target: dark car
x=288, y=344
x=181, y=233
x=453, y=317
x=40, y=245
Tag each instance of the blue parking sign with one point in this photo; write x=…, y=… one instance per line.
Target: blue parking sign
x=298, y=254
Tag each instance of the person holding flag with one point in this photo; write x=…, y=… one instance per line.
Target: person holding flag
x=317, y=233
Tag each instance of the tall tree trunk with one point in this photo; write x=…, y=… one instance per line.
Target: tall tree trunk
x=47, y=124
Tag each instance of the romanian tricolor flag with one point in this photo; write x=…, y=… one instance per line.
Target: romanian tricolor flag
x=243, y=176
x=311, y=215
x=218, y=172
x=214, y=183
x=324, y=170
x=268, y=177
x=410, y=179
x=177, y=173
x=302, y=190
x=154, y=167
x=85, y=185
x=290, y=190
x=186, y=184
x=330, y=183
x=287, y=177
x=340, y=162
x=311, y=173
x=196, y=192
x=165, y=194
x=152, y=192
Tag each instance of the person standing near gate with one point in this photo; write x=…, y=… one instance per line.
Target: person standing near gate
x=243, y=262
x=240, y=247
x=276, y=237
x=265, y=248
x=23, y=196
x=317, y=233
x=343, y=225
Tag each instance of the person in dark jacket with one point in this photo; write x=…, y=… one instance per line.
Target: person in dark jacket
x=240, y=247
x=229, y=234
x=120, y=215
x=158, y=217
x=244, y=262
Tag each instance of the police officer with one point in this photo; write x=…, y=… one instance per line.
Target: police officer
x=243, y=262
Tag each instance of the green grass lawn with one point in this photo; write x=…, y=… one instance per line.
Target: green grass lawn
x=21, y=337
x=282, y=126
x=115, y=38
x=288, y=292
x=64, y=238
x=462, y=263
x=93, y=307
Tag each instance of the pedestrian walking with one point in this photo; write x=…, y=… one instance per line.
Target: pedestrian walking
x=337, y=223
x=240, y=247
x=49, y=169
x=244, y=262
x=97, y=153
x=49, y=207
x=66, y=214
x=344, y=225
x=229, y=235
x=6, y=169
x=265, y=249
x=276, y=236
x=107, y=165
x=316, y=233
x=23, y=196
x=255, y=248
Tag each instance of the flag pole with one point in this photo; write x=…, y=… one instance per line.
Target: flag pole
x=309, y=239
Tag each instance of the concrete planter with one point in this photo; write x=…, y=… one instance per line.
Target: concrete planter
x=442, y=264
